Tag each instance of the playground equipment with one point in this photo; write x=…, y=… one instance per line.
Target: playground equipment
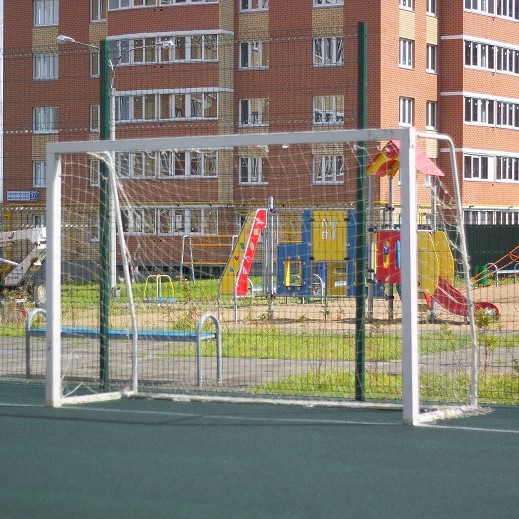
x=158, y=280
x=435, y=270
x=506, y=266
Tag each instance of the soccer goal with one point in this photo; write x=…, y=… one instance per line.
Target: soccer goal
x=324, y=266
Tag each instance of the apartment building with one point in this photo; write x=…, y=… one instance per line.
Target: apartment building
x=192, y=67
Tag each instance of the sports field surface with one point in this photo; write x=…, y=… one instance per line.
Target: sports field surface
x=156, y=458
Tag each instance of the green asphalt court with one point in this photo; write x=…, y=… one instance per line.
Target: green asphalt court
x=158, y=458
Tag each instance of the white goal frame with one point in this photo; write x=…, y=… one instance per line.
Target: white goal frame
x=408, y=186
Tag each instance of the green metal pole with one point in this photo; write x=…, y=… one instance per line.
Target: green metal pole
x=104, y=217
x=360, y=243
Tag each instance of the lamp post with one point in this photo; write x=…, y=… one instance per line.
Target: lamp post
x=106, y=132
x=107, y=216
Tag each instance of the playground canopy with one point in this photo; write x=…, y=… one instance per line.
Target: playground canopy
x=387, y=161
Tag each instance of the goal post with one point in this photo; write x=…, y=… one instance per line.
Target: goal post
x=310, y=176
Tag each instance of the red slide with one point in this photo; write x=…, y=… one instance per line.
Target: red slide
x=456, y=303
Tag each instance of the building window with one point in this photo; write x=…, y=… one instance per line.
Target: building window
x=251, y=170
x=254, y=55
x=479, y=55
x=94, y=172
x=45, y=67
x=328, y=109
x=46, y=12
x=328, y=51
x=431, y=116
x=254, y=112
x=45, y=120
x=507, y=60
x=180, y=222
x=94, y=118
x=97, y=10
x=406, y=111
x=407, y=4
x=431, y=65
x=406, y=54
x=164, y=49
x=324, y=3
x=201, y=105
x=39, y=173
x=139, y=220
x=479, y=110
x=93, y=227
x=39, y=220
x=254, y=5
x=508, y=9
x=95, y=68
x=476, y=167
x=431, y=8
x=328, y=169
x=507, y=169
x=507, y=114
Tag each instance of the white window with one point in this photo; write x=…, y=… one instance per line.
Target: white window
x=46, y=12
x=508, y=9
x=97, y=10
x=477, y=168
x=180, y=221
x=254, y=5
x=328, y=109
x=407, y=4
x=406, y=54
x=479, y=110
x=39, y=173
x=189, y=163
x=479, y=55
x=481, y=6
x=431, y=115
x=93, y=227
x=45, y=66
x=253, y=54
x=507, y=169
x=431, y=7
x=202, y=105
x=95, y=66
x=94, y=172
x=328, y=169
x=139, y=220
x=39, y=220
x=45, y=119
x=329, y=51
x=406, y=111
x=323, y=3
x=125, y=4
x=251, y=170
x=507, y=114
x=136, y=108
x=94, y=118
x=431, y=65
x=254, y=112
x=507, y=60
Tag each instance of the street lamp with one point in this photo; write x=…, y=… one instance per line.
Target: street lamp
x=107, y=216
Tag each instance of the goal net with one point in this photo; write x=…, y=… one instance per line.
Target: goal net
x=321, y=267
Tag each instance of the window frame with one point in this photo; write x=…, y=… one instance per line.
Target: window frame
x=251, y=170
x=329, y=108
x=406, y=49
x=46, y=13
x=45, y=119
x=332, y=51
x=327, y=169
x=431, y=115
x=431, y=58
x=405, y=111
x=45, y=66
x=39, y=173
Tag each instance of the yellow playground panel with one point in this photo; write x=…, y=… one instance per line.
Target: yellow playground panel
x=329, y=236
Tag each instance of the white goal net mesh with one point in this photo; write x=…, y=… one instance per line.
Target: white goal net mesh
x=281, y=266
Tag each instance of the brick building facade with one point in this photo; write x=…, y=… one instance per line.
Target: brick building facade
x=239, y=66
